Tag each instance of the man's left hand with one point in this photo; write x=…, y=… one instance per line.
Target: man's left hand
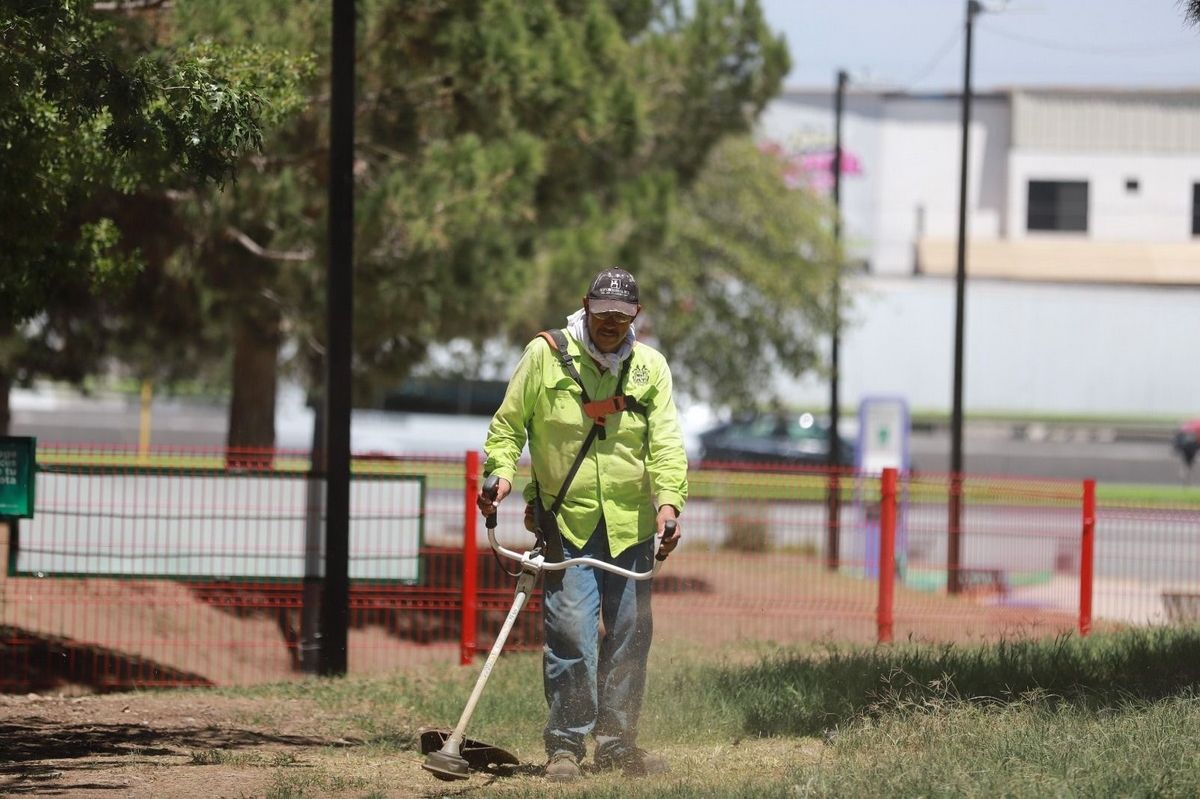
x=665, y=514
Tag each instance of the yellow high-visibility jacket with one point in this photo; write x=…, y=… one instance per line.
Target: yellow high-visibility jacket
x=637, y=467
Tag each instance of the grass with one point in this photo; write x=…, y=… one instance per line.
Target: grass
x=1169, y=496
x=1113, y=714
x=798, y=694
x=1024, y=748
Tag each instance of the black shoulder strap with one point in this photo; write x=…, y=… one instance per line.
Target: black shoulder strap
x=558, y=343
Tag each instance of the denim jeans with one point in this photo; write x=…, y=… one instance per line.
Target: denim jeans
x=593, y=684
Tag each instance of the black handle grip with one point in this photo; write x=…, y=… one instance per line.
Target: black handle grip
x=490, y=488
x=668, y=530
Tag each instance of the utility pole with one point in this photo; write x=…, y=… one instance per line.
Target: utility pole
x=954, y=545
x=335, y=605
x=833, y=488
x=314, y=550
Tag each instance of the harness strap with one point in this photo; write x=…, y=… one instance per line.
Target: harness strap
x=556, y=506
x=596, y=410
x=558, y=343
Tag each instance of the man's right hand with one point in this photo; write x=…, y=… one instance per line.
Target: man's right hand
x=486, y=505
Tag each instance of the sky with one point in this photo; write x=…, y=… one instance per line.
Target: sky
x=917, y=45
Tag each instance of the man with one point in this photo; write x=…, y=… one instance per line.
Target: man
x=630, y=482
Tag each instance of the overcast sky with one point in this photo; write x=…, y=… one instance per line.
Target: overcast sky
x=918, y=44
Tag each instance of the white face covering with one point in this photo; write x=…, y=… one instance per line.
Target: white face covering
x=577, y=325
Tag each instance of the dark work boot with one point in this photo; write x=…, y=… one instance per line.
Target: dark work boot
x=563, y=767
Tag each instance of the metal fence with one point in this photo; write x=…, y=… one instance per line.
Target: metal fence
x=191, y=568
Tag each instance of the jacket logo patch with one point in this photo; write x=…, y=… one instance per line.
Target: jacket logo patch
x=639, y=376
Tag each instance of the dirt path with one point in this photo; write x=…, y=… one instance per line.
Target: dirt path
x=193, y=744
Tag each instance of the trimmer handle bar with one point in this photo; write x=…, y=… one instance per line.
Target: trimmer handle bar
x=537, y=562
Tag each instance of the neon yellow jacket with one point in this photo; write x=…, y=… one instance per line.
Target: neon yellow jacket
x=637, y=467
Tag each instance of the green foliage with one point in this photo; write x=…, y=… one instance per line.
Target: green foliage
x=101, y=128
x=82, y=113
x=745, y=273
x=506, y=150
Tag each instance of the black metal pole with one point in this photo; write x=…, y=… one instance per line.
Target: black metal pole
x=954, y=548
x=314, y=527
x=335, y=607
x=833, y=489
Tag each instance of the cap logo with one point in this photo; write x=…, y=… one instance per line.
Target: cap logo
x=614, y=290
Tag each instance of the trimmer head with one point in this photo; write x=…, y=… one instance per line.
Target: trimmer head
x=445, y=766
x=473, y=755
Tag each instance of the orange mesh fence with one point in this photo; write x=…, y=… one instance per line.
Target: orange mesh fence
x=1017, y=570
x=193, y=567
x=1147, y=563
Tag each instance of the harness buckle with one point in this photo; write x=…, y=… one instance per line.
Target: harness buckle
x=598, y=409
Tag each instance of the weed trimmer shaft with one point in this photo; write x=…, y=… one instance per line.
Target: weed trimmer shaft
x=448, y=762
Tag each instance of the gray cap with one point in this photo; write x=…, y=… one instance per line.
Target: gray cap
x=613, y=290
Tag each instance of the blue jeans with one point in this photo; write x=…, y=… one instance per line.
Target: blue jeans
x=595, y=685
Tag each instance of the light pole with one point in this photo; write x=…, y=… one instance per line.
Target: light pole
x=954, y=547
x=833, y=489
x=335, y=603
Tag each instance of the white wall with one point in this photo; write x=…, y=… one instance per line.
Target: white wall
x=1029, y=347
x=920, y=157
x=1161, y=210
x=1034, y=347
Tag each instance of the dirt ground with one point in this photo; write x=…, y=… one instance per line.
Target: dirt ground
x=193, y=744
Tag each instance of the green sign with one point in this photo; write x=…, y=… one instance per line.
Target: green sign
x=17, y=470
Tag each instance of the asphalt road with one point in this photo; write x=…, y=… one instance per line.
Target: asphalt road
x=1073, y=452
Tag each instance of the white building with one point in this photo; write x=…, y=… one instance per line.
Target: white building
x=1083, y=256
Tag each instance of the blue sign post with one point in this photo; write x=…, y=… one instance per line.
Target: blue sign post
x=883, y=433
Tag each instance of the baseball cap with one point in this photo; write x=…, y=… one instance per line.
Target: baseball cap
x=613, y=290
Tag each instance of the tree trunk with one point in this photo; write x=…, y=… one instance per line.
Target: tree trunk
x=251, y=435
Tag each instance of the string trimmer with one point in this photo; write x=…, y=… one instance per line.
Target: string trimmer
x=450, y=756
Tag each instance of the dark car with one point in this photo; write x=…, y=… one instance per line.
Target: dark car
x=775, y=438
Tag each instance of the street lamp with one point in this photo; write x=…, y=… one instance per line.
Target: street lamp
x=954, y=547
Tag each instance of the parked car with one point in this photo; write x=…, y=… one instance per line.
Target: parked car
x=775, y=438
x=1187, y=442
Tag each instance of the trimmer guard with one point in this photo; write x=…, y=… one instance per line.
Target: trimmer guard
x=479, y=755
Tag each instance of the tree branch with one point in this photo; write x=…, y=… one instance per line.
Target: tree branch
x=129, y=5
x=254, y=247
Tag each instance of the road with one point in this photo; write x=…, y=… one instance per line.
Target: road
x=1072, y=452
x=1068, y=451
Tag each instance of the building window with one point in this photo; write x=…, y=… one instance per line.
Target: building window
x=1060, y=205
x=1132, y=185
x=1196, y=209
